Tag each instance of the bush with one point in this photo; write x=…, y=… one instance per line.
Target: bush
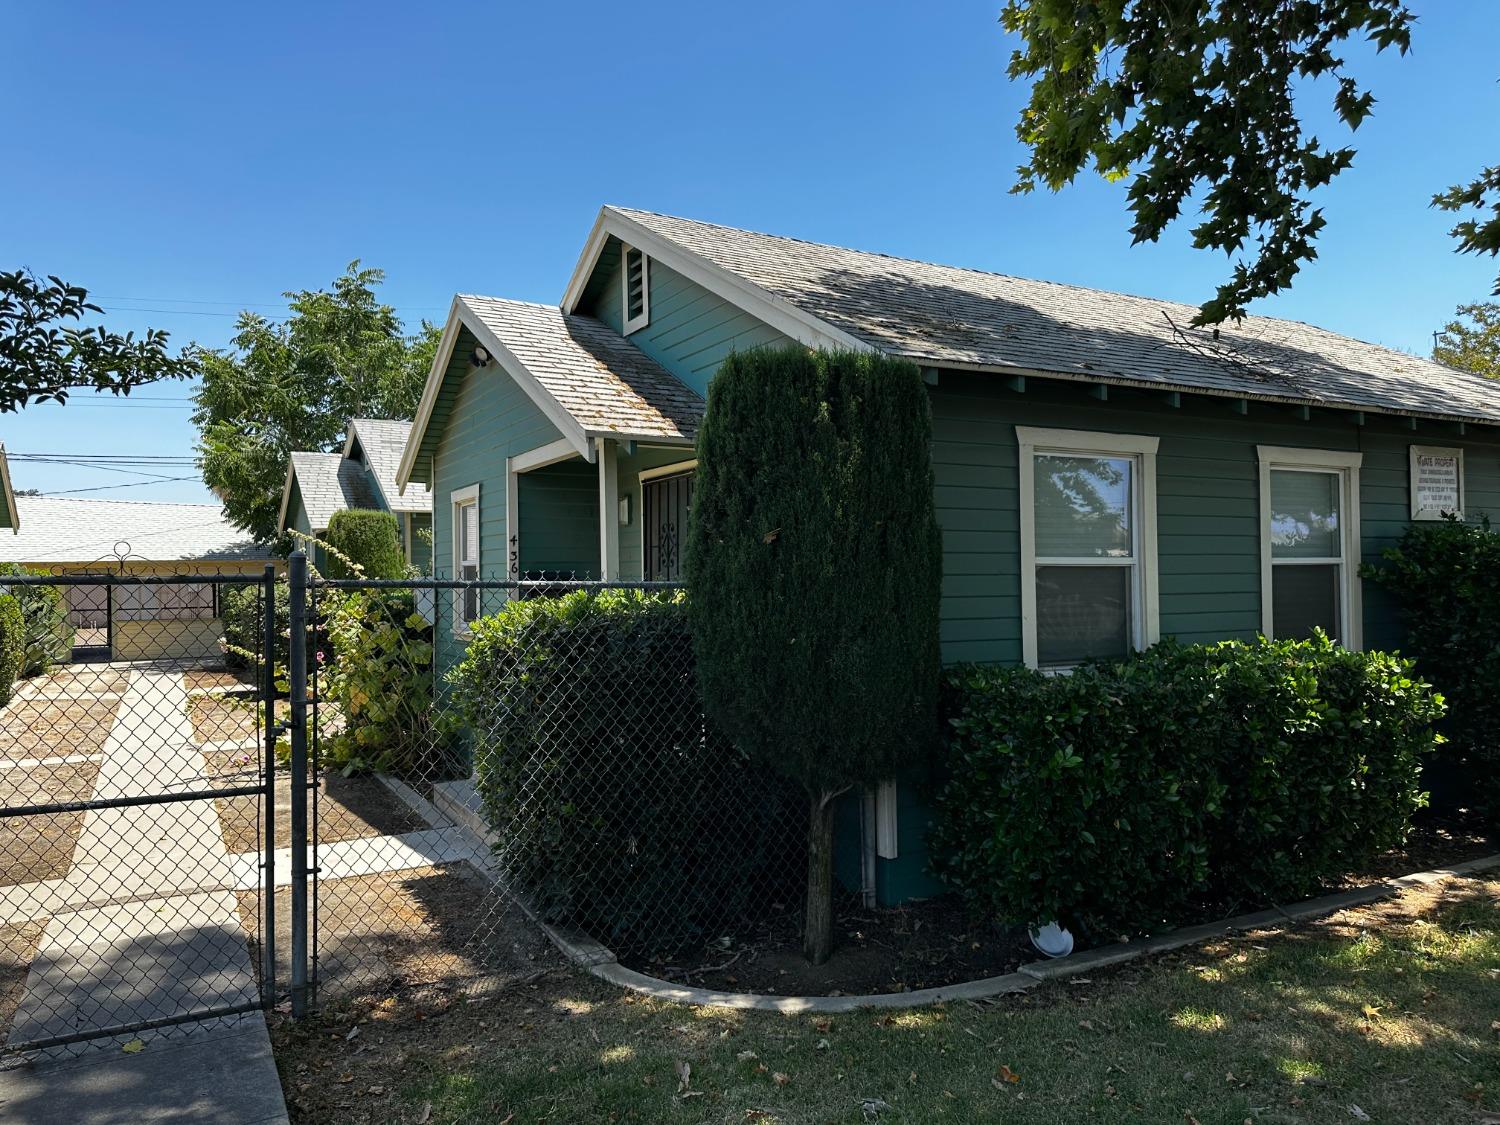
x=614, y=807
x=48, y=634
x=370, y=540
x=380, y=678
x=12, y=645
x=244, y=638
x=1444, y=575
x=1134, y=796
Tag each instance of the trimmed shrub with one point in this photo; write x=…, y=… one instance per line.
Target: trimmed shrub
x=48, y=634
x=1444, y=576
x=815, y=562
x=240, y=611
x=370, y=540
x=12, y=645
x=1134, y=796
x=615, y=808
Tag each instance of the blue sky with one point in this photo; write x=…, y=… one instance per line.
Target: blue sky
x=185, y=160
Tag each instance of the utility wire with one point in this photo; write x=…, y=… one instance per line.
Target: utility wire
x=127, y=484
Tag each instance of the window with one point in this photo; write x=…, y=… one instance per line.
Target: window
x=635, y=286
x=666, y=500
x=1088, y=545
x=466, y=554
x=1309, y=513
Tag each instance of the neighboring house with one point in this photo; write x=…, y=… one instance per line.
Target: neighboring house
x=363, y=475
x=66, y=536
x=9, y=517
x=1105, y=475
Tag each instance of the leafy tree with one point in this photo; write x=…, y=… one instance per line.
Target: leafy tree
x=814, y=567
x=1198, y=98
x=43, y=357
x=1471, y=341
x=294, y=385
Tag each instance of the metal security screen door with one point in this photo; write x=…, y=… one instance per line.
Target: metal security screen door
x=665, y=504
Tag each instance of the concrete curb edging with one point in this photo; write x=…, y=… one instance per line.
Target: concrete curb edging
x=1038, y=972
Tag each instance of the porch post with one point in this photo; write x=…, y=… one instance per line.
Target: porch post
x=609, y=498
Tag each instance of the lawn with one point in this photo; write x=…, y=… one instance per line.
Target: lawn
x=1386, y=1013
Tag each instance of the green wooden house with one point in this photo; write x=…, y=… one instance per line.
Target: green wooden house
x=361, y=475
x=1106, y=475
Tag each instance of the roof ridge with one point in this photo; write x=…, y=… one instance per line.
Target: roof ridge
x=627, y=211
x=511, y=301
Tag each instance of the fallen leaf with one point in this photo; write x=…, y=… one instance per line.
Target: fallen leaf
x=684, y=1076
x=746, y=1056
x=822, y=1025
x=780, y=1079
x=1357, y=1113
x=134, y=1047
x=424, y=1114
x=822, y=1045
x=1009, y=1075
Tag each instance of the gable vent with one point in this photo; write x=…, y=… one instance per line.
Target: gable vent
x=636, y=289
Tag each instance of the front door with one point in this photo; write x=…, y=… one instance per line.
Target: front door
x=665, y=503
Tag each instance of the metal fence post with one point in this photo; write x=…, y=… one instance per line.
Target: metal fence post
x=297, y=674
x=269, y=732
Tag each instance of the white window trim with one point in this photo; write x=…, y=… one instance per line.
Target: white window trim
x=458, y=499
x=1032, y=440
x=1347, y=465
x=645, y=477
x=633, y=323
x=1434, y=451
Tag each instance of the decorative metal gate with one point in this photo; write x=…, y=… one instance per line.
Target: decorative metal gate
x=138, y=838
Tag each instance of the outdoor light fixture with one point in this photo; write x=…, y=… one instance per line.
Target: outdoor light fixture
x=481, y=357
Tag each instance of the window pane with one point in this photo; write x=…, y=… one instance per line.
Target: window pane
x=1083, y=506
x=1082, y=611
x=1303, y=597
x=1305, y=515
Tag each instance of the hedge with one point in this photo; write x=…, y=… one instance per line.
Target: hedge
x=12, y=645
x=48, y=634
x=614, y=807
x=369, y=539
x=1130, y=797
x=1444, y=576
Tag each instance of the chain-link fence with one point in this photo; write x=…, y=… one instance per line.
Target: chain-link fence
x=485, y=751
x=133, y=823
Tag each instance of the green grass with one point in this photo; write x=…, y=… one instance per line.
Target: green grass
x=1388, y=1009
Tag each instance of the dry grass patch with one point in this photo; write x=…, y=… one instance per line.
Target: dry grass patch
x=55, y=728
x=1388, y=1010
x=203, y=679
x=223, y=718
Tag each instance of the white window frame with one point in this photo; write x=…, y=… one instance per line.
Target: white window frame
x=643, y=318
x=1417, y=451
x=1346, y=464
x=1140, y=448
x=458, y=500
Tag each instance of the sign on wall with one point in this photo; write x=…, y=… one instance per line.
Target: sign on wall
x=1437, y=482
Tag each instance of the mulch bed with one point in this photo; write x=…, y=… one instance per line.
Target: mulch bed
x=219, y=718
x=348, y=808
x=934, y=942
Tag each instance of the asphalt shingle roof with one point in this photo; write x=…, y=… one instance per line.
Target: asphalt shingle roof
x=383, y=441
x=330, y=484
x=606, y=383
x=58, y=529
x=944, y=315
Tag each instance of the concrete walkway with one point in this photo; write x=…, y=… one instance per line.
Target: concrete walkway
x=133, y=934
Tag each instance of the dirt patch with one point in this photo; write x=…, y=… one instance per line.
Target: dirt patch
x=81, y=679
x=54, y=728
x=425, y=932
x=33, y=848
x=224, y=718
x=18, y=944
x=348, y=808
x=1437, y=840
x=203, y=679
x=916, y=945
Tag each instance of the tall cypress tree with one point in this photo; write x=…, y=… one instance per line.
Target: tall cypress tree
x=815, y=566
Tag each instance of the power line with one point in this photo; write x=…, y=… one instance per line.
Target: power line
x=128, y=484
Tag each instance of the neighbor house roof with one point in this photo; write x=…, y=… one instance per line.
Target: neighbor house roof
x=383, y=441
x=328, y=483
x=588, y=379
x=58, y=529
x=945, y=316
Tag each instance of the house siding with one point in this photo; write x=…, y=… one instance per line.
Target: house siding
x=691, y=330
x=486, y=418
x=559, y=518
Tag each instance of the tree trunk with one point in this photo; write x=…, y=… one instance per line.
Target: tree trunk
x=817, y=934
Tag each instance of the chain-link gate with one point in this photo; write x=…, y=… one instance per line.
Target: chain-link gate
x=137, y=831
